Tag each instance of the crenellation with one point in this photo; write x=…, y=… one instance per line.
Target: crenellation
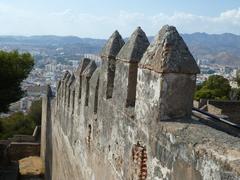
x=60, y=97
x=134, y=48
x=94, y=88
x=58, y=93
x=86, y=107
x=96, y=97
x=83, y=64
x=130, y=118
x=65, y=75
x=58, y=86
x=169, y=58
x=108, y=55
x=65, y=90
x=73, y=101
x=113, y=46
x=65, y=109
x=78, y=74
x=127, y=67
x=63, y=84
x=87, y=74
x=70, y=86
x=69, y=114
x=63, y=97
x=169, y=54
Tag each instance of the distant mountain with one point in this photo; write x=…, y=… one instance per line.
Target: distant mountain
x=49, y=40
x=217, y=48
x=48, y=44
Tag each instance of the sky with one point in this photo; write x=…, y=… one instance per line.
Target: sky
x=99, y=18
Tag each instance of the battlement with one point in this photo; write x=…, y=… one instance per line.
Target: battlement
x=130, y=118
x=167, y=63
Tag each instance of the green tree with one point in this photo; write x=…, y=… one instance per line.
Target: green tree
x=216, y=87
x=14, y=68
x=17, y=123
x=238, y=78
x=35, y=112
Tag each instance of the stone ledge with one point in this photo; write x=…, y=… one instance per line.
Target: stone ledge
x=205, y=142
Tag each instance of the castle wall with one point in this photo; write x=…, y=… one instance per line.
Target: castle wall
x=229, y=108
x=102, y=138
x=19, y=150
x=47, y=132
x=43, y=127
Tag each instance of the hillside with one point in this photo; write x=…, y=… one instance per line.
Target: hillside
x=222, y=49
x=218, y=48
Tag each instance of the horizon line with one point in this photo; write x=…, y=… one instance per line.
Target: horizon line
x=101, y=38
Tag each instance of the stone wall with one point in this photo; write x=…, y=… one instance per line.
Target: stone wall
x=19, y=146
x=97, y=127
x=19, y=150
x=228, y=108
x=221, y=108
x=47, y=133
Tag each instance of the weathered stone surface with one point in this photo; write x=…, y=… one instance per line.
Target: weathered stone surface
x=120, y=83
x=209, y=150
x=169, y=54
x=58, y=85
x=175, y=99
x=49, y=91
x=65, y=75
x=135, y=47
x=89, y=70
x=172, y=78
x=94, y=92
x=125, y=80
x=83, y=64
x=115, y=142
x=71, y=80
x=113, y=45
x=95, y=77
x=78, y=83
x=46, y=134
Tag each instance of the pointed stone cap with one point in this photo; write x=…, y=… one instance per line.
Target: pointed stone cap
x=169, y=54
x=95, y=77
x=113, y=45
x=58, y=84
x=65, y=81
x=71, y=80
x=135, y=47
x=82, y=66
x=65, y=75
x=90, y=69
x=72, y=85
x=49, y=91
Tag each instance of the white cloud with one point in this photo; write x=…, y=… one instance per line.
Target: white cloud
x=68, y=22
x=232, y=16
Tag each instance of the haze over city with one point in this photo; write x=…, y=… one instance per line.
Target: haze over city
x=98, y=19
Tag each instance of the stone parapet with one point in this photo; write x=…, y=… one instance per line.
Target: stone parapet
x=131, y=117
